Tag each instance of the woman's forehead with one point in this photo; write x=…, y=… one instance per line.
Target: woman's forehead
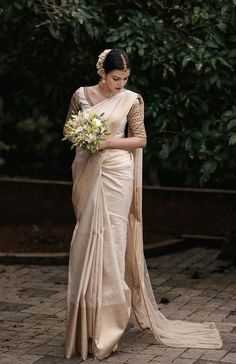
x=120, y=73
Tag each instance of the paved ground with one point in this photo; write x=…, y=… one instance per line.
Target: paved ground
x=198, y=286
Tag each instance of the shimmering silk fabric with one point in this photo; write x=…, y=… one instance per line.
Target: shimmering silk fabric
x=108, y=277
x=174, y=333
x=99, y=300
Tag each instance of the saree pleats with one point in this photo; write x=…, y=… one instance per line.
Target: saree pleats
x=102, y=305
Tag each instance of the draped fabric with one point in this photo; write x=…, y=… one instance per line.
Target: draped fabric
x=176, y=333
x=108, y=278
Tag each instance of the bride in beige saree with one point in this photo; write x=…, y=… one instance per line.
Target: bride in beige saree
x=108, y=281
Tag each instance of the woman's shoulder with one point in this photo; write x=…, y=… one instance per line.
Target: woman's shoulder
x=138, y=99
x=134, y=93
x=79, y=93
x=79, y=90
x=76, y=93
x=84, y=88
x=82, y=95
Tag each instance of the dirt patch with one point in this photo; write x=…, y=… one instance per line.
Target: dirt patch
x=47, y=238
x=35, y=238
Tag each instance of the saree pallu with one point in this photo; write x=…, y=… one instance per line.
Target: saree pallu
x=108, y=278
x=175, y=333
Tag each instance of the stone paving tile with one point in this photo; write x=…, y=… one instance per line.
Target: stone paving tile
x=213, y=354
x=117, y=358
x=184, y=361
x=42, y=349
x=226, y=327
x=192, y=354
x=11, y=359
x=48, y=359
x=208, y=362
x=141, y=359
x=33, y=311
x=13, y=316
x=229, y=358
x=10, y=306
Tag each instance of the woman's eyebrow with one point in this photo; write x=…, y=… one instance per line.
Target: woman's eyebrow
x=120, y=77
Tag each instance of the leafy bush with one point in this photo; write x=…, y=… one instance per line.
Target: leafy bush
x=183, y=58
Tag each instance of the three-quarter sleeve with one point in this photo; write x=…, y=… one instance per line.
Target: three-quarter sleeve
x=135, y=118
x=74, y=105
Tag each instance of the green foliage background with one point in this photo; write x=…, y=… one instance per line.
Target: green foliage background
x=183, y=57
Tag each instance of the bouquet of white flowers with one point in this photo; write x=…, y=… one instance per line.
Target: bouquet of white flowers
x=87, y=131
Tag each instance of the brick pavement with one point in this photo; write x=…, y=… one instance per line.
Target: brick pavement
x=197, y=285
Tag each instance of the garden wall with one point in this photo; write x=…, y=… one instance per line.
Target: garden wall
x=167, y=211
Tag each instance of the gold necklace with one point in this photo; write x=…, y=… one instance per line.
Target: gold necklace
x=105, y=92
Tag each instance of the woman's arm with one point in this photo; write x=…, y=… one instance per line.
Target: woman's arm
x=124, y=143
x=136, y=130
x=74, y=106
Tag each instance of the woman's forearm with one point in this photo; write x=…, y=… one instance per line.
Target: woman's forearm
x=124, y=143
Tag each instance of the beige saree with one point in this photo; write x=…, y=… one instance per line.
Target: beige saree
x=108, y=278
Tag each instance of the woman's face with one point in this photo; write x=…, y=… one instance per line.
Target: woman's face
x=115, y=80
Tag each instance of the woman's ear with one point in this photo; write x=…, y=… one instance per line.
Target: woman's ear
x=101, y=73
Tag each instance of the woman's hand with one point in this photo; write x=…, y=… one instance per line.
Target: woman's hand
x=104, y=145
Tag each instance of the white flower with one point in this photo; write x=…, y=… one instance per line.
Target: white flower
x=97, y=122
x=90, y=138
x=101, y=58
x=87, y=116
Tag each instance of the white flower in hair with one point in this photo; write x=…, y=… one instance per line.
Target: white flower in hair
x=101, y=58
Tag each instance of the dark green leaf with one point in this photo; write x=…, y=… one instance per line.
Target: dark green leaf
x=232, y=139
x=231, y=124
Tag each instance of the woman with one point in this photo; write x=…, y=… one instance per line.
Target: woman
x=108, y=279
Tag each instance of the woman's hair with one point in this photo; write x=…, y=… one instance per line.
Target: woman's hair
x=116, y=59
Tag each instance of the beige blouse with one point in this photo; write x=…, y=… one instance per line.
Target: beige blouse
x=135, y=117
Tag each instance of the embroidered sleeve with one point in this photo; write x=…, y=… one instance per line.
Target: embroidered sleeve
x=74, y=105
x=135, y=119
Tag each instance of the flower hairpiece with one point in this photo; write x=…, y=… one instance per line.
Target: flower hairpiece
x=101, y=58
